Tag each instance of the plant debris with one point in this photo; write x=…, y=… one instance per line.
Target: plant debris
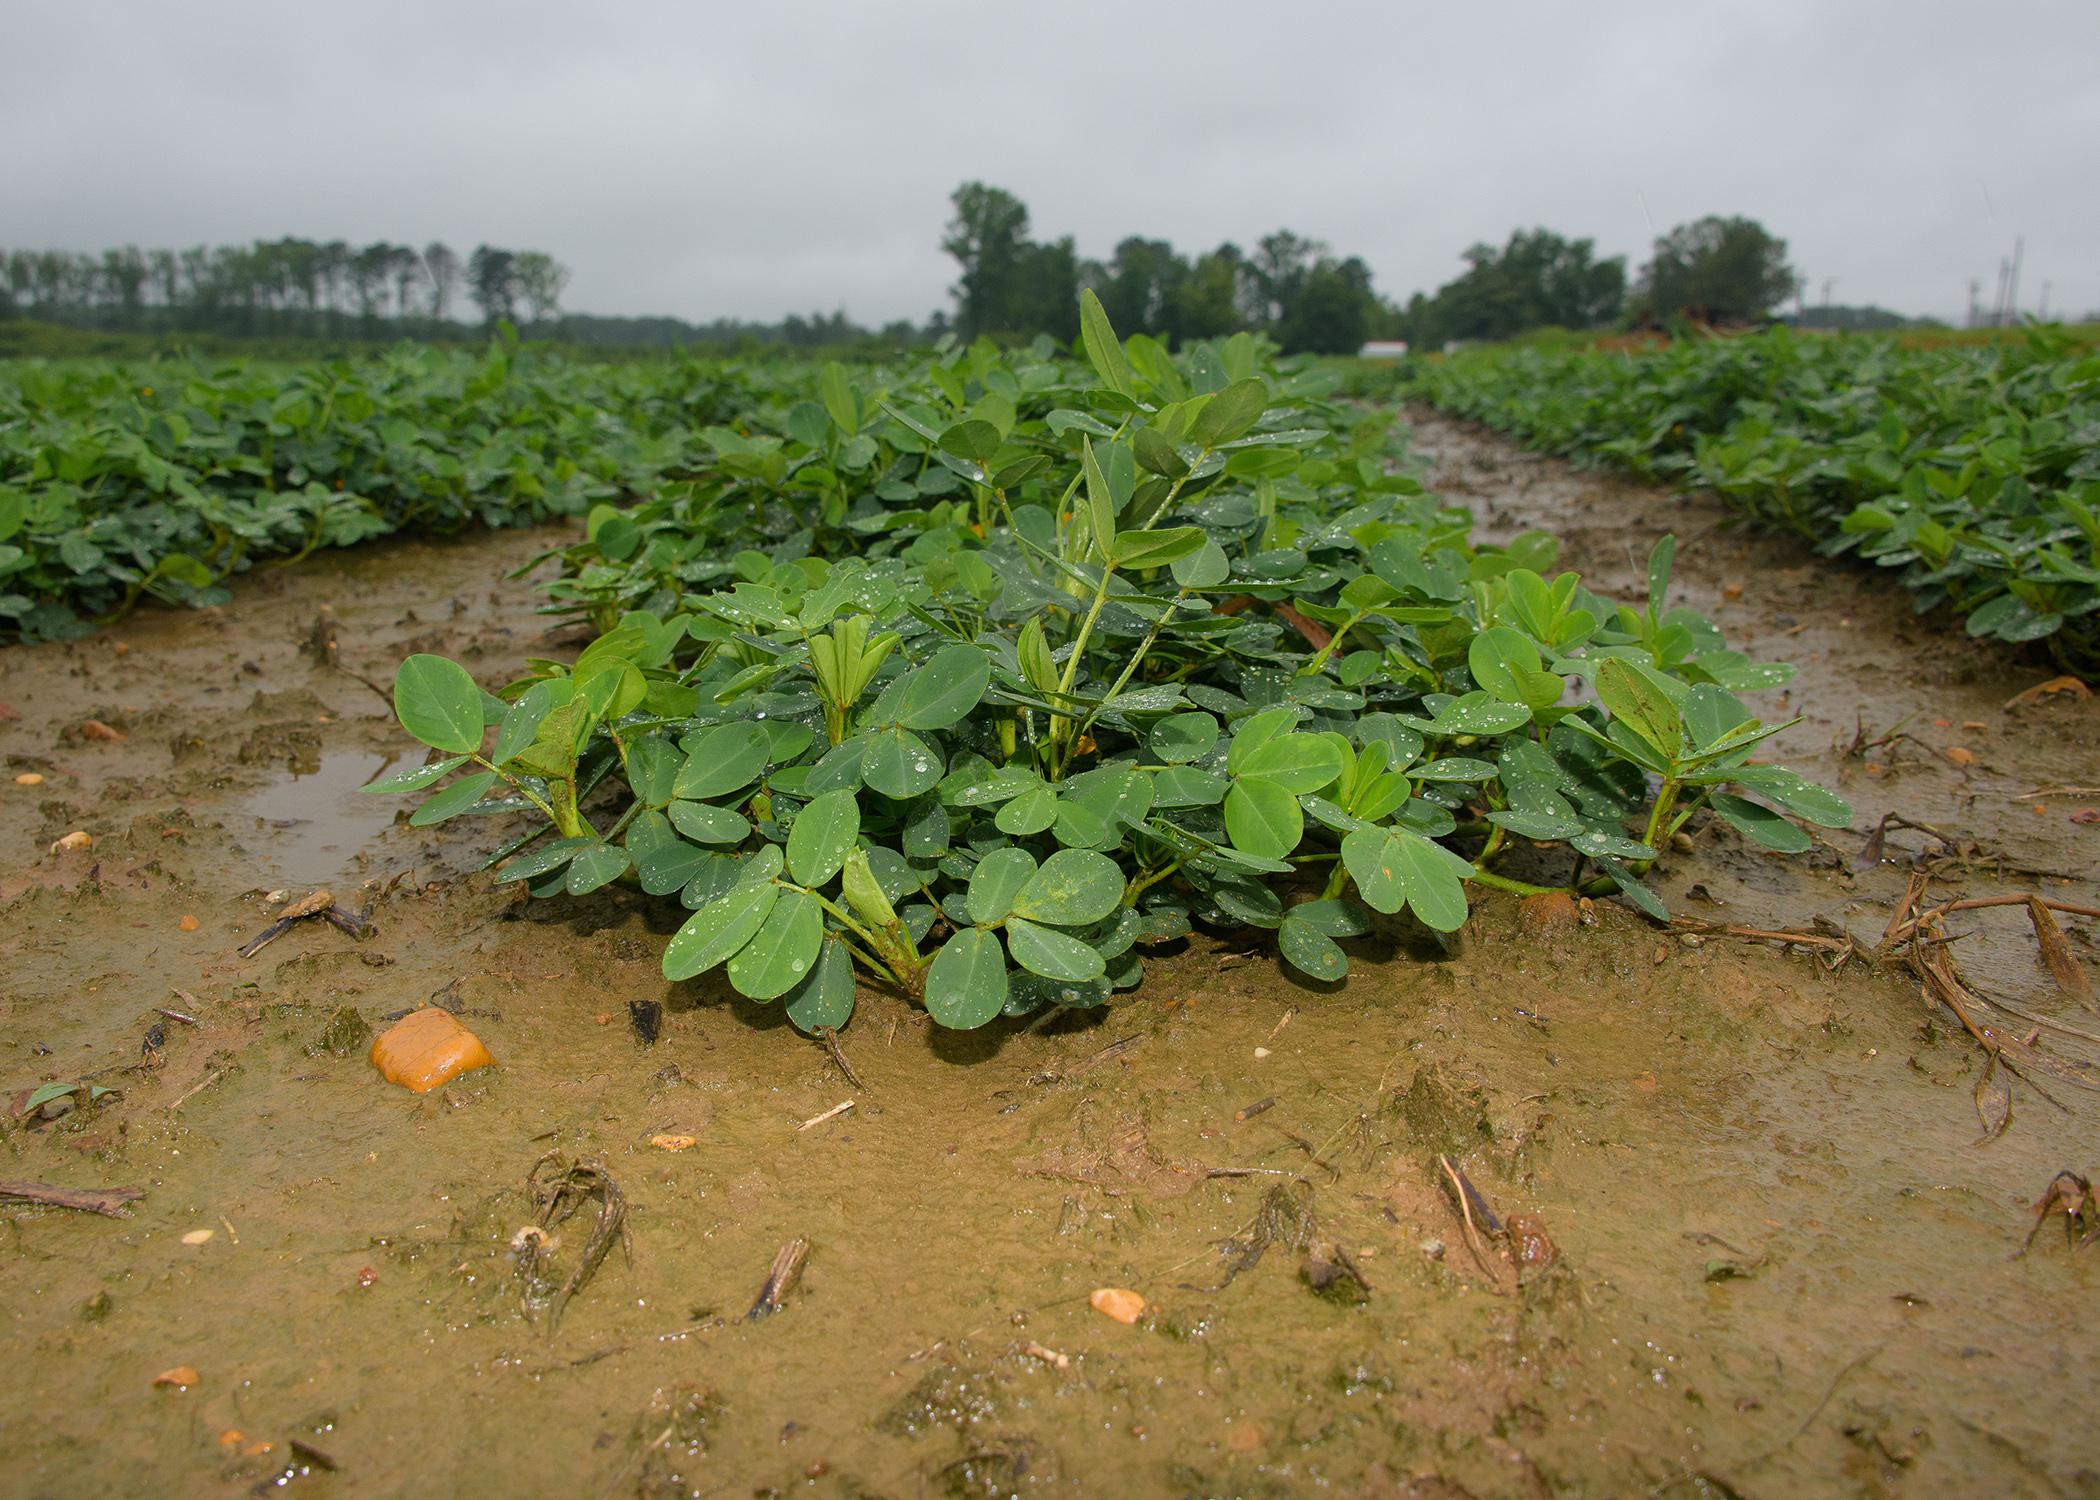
x=782, y=1278
x=108, y=1201
x=558, y=1189
x=319, y=904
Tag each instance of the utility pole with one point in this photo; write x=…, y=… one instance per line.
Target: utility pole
x=2012, y=292
x=1975, y=288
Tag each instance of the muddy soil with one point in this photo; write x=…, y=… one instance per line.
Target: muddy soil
x=1759, y=1247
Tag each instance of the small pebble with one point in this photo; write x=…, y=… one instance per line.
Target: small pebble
x=1261, y=1052
x=30, y=778
x=199, y=1236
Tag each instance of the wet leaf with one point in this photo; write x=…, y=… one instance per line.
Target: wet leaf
x=823, y=832
x=966, y=982
x=2063, y=965
x=1994, y=1099
x=719, y=929
x=438, y=703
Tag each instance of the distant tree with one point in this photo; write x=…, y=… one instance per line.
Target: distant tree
x=332, y=274
x=988, y=237
x=371, y=271
x=1209, y=302
x=442, y=267
x=1049, y=293
x=1281, y=264
x=539, y=279
x=1330, y=308
x=404, y=269
x=1723, y=270
x=492, y=282
x=166, y=279
x=1839, y=317
x=1538, y=279
x=1139, y=285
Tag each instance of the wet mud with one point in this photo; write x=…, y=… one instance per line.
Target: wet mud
x=1755, y=1242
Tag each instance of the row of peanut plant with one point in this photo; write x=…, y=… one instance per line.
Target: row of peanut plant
x=1974, y=472
x=982, y=676
x=162, y=478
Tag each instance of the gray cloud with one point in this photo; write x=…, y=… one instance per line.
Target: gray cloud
x=708, y=160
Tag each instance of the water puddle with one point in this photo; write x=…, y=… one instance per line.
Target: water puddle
x=311, y=824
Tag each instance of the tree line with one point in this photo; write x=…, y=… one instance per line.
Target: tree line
x=1298, y=292
x=1010, y=285
x=1292, y=288
x=282, y=287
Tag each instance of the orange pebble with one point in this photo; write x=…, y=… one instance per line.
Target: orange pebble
x=189, y=923
x=1545, y=913
x=1960, y=755
x=182, y=1377
x=1117, y=1302
x=427, y=1049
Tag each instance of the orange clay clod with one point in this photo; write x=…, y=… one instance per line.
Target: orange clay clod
x=1117, y=1302
x=427, y=1049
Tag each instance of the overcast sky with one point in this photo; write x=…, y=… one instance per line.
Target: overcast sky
x=746, y=160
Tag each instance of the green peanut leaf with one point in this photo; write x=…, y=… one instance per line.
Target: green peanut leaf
x=1299, y=763
x=1311, y=951
x=1179, y=738
x=1263, y=818
x=1155, y=549
x=945, y=689
x=997, y=880
x=823, y=832
x=782, y=950
x=719, y=759
x=1397, y=868
x=1761, y=824
x=1637, y=700
x=417, y=779
x=720, y=928
x=1072, y=888
x=439, y=704
x=1031, y=812
x=897, y=763
x=1050, y=953
x=453, y=800
x=824, y=998
x=663, y=861
x=597, y=865
x=966, y=983
x=1103, y=349
x=705, y=823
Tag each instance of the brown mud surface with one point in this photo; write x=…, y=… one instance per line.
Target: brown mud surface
x=1760, y=1248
